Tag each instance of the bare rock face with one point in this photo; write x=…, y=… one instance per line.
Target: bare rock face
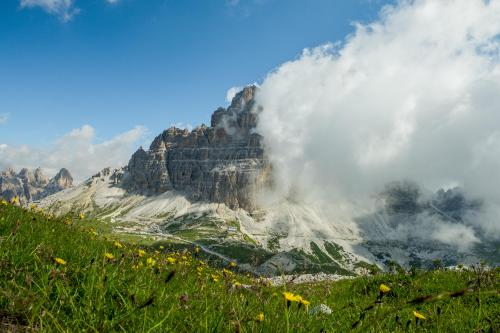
x=222, y=163
x=30, y=186
x=61, y=181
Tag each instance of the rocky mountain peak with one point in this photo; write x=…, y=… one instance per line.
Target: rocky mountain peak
x=61, y=181
x=9, y=172
x=40, y=177
x=241, y=116
x=64, y=178
x=244, y=98
x=30, y=185
x=221, y=163
x=27, y=175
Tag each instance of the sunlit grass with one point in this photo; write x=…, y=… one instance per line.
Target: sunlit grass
x=61, y=275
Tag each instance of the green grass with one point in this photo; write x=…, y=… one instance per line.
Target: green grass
x=94, y=294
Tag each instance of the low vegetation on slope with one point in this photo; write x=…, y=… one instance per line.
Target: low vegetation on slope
x=59, y=275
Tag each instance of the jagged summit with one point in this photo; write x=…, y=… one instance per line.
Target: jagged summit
x=30, y=185
x=222, y=163
x=61, y=181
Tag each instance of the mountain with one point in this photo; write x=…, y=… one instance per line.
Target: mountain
x=30, y=185
x=223, y=163
x=202, y=186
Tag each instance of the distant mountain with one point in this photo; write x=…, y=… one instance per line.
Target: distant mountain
x=30, y=185
x=201, y=186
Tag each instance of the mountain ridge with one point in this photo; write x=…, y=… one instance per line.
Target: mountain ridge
x=29, y=185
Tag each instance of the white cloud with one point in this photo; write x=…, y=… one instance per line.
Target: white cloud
x=64, y=9
x=112, y=1
x=413, y=95
x=4, y=117
x=75, y=151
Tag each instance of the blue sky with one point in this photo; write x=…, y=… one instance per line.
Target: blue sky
x=117, y=64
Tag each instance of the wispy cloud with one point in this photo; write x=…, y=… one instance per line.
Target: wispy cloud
x=232, y=2
x=64, y=9
x=4, y=117
x=112, y=1
x=77, y=151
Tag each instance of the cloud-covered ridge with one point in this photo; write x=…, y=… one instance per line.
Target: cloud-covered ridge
x=413, y=95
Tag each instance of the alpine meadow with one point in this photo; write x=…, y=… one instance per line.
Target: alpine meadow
x=250, y=166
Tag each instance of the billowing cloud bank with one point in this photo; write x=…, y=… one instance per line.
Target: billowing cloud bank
x=414, y=95
x=77, y=151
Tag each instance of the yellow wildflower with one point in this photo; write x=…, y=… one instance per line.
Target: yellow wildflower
x=215, y=278
x=109, y=256
x=418, y=315
x=184, y=258
x=305, y=303
x=141, y=253
x=260, y=317
x=236, y=284
x=197, y=249
x=292, y=297
x=171, y=260
x=118, y=245
x=384, y=289
x=14, y=201
x=232, y=264
x=227, y=272
x=150, y=262
x=60, y=261
x=139, y=265
x=162, y=247
x=81, y=216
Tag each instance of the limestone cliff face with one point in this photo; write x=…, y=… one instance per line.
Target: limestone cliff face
x=222, y=163
x=30, y=186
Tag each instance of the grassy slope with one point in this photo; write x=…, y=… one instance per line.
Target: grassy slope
x=92, y=293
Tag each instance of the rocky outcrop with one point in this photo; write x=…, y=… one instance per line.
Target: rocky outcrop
x=30, y=185
x=61, y=181
x=222, y=163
